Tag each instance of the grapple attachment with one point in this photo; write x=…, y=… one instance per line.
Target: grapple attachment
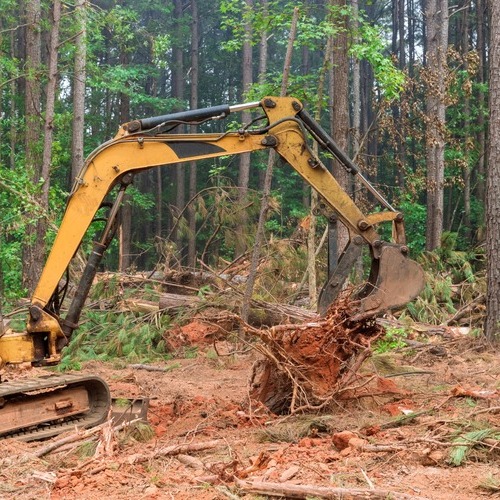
x=394, y=281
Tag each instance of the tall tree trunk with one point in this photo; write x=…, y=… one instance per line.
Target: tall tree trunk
x=356, y=87
x=194, y=104
x=49, y=113
x=492, y=326
x=436, y=22
x=33, y=248
x=481, y=136
x=14, y=90
x=244, y=169
x=125, y=228
x=339, y=87
x=263, y=51
x=80, y=73
x=178, y=93
x=464, y=49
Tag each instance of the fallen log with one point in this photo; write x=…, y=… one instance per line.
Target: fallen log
x=261, y=313
x=288, y=490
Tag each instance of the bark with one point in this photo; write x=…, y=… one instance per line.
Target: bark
x=178, y=93
x=244, y=168
x=49, y=112
x=436, y=21
x=467, y=173
x=492, y=326
x=191, y=257
x=77, y=154
x=33, y=247
x=12, y=105
x=339, y=86
x=125, y=229
x=356, y=88
x=481, y=137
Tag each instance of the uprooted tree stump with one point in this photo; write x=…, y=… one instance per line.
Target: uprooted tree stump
x=306, y=366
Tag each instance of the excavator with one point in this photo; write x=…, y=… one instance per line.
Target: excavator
x=41, y=407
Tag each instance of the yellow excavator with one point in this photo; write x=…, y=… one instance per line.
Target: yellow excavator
x=41, y=407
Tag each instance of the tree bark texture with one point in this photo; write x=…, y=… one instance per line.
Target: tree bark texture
x=492, y=327
x=80, y=64
x=339, y=89
x=33, y=247
x=244, y=168
x=436, y=22
x=191, y=255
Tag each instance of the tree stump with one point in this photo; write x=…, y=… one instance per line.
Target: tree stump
x=306, y=366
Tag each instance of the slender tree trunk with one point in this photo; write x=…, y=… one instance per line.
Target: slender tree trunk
x=125, y=229
x=80, y=73
x=264, y=209
x=356, y=87
x=33, y=248
x=244, y=170
x=49, y=111
x=436, y=17
x=194, y=105
x=178, y=93
x=263, y=50
x=339, y=86
x=492, y=327
x=481, y=49
x=13, y=133
x=464, y=46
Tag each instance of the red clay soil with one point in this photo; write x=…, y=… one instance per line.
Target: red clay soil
x=395, y=436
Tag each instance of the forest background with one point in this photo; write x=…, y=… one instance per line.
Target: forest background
x=402, y=85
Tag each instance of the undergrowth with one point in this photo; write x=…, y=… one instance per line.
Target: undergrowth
x=452, y=280
x=108, y=336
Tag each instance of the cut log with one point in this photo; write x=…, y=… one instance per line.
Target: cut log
x=288, y=490
x=172, y=301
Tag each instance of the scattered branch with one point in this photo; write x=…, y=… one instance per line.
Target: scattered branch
x=288, y=490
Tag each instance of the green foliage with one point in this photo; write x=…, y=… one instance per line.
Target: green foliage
x=451, y=276
x=106, y=336
x=371, y=47
x=465, y=443
x=392, y=339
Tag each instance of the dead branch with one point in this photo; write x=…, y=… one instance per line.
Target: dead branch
x=190, y=461
x=79, y=436
x=288, y=490
x=176, y=449
x=467, y=309
x=151, y=368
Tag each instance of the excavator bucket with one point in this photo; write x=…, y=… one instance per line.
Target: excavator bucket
x=394, y=281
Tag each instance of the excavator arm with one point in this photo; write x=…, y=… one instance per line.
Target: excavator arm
x=145, y=144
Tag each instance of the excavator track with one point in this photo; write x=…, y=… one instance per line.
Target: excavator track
x=42, y=407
